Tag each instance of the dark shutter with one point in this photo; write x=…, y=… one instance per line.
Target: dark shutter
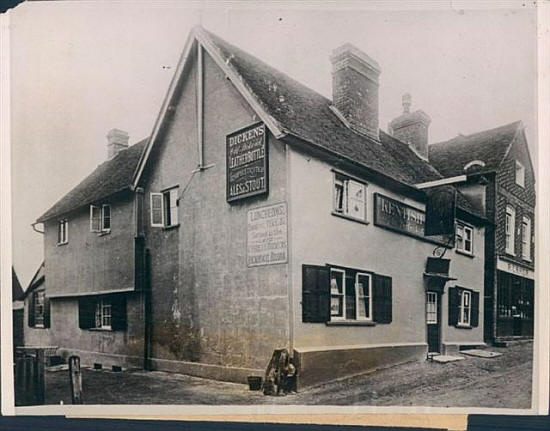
x=31, y=309
x=86, y=313
x=46, y=312
x=454, y=300
x=315, y=294
x=474, y=318
x=382, y=299
x=118, y=312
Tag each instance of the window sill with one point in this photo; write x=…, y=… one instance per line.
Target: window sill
x=347, y=217
x=465, y=253
x=463, y=326
x=62, y=243
x=104, y=232
x=174, y=226
x=38, y=326
x=350, y=323
x=100, y=329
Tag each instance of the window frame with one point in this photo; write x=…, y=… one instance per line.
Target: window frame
x=510, y=231
x=343, y=181
x=519, y=169
x=526, y=241
x=102, y=226
x=62, y=231
x=431, y=312
x=462, y=305
x=462, y=249
x=169, y=207
x=42, y=315
x=101, y=305
x=344, y=272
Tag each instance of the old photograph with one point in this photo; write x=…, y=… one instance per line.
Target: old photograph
x=276, y=204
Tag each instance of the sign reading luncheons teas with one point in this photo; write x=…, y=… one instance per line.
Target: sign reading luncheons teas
x=267, y=242
x=246, y=152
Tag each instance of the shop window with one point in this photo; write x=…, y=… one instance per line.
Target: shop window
x=510, y=230
x=520, y=174
x=100, y=218
x=464, y=238
x=105, y=312
x=463, y=307
x=515, y=297
x=39, y=309
x=349, y=197
x=164, y=208
x=345, y=295
x=62, y=232
x=526, y=238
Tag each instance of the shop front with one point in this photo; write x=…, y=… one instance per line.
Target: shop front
x=515, y=300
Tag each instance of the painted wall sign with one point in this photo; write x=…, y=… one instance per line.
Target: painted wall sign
x=267, y=241
x=513, y=268
x=246, y=153
x=400, y=217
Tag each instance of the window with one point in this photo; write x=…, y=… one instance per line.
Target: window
x=62, y=232
x=350, y=294
x=520, y=174
x=345, y=295
x=164, y=208
x=526, y=238
x=39, y=309
x=104, y=312
x=510, y=230
x=464, y=238
x=431, y=307
x=106, y=217
x=100, y=218
x=463, y=307
x=349, y=197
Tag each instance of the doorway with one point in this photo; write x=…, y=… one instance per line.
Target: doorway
x=433, y=321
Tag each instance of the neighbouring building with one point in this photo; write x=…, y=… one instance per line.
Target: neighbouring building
x=17, y=296
x=501, y=156
x=261, y=215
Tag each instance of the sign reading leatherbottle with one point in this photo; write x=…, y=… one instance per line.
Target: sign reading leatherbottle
x=246, y=152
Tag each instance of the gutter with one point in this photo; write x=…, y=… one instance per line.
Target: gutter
x=33, y=225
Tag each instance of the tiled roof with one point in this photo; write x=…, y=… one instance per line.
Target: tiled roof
x=16, y=289
x=489, y=146
x=110, y=177
x=307, y=114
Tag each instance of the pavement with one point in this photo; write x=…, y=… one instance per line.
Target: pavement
x=471, y=382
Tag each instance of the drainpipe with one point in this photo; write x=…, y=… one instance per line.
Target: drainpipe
x=147, y=311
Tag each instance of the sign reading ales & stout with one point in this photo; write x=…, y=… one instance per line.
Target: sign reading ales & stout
x=246, y=153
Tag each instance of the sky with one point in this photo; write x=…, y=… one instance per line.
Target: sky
x=79, y=69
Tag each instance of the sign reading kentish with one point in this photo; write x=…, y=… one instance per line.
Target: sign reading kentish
x=246, y=153
x=267, y=242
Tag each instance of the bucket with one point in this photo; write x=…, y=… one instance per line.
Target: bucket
x=254, y=383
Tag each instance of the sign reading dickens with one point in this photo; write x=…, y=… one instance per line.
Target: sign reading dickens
x=267, y=242
x=246, y=162
x=398, y=216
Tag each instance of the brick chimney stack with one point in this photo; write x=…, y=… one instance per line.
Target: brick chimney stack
x=355, y=88
x=116, y=140
x=411, y=128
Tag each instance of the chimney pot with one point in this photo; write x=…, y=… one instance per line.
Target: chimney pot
x=355, y=88
x=116, y=140
x=406, y=100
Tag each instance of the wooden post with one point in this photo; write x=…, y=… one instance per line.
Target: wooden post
x=39, y=380
x=76, y=379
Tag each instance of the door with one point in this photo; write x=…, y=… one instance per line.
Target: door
x=433, y=321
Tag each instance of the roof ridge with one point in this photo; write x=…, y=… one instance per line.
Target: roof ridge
x=461, y=137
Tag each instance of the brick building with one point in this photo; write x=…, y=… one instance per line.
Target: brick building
x=501, y=156
x=260, y=215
